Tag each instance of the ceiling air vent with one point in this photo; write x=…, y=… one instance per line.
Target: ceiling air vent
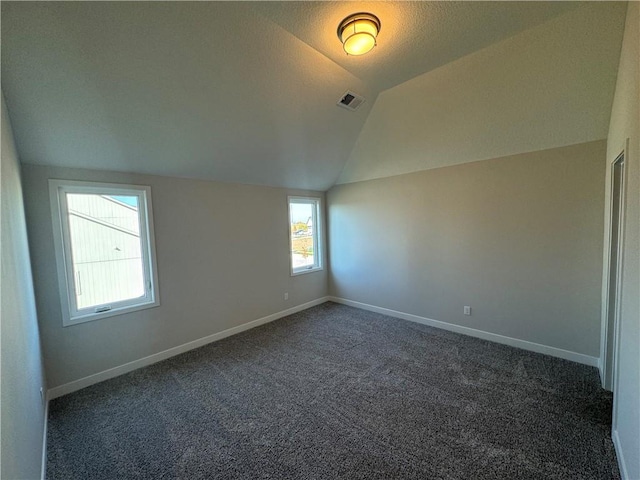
x=350, y=101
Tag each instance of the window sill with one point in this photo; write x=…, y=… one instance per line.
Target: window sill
x=90, y=317
x=306, y=270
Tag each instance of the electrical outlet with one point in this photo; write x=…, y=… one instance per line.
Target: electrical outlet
x=286, y=295
x=467, y=310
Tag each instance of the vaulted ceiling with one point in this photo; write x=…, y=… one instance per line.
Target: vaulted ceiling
x=240, y=91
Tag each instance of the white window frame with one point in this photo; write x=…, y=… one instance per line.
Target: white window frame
x=71, y=315
x=317, y=235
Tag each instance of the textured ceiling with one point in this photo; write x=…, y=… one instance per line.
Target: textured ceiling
x=415, y=37
x=194, y=89
x=233, y=91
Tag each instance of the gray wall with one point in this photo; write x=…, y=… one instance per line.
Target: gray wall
x=625, y=124
x=517, y=238
x=222, y=253
x=22, y=377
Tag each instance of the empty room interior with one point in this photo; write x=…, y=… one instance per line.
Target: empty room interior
x=315, y=240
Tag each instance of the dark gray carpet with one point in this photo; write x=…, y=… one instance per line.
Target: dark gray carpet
x=336, y=392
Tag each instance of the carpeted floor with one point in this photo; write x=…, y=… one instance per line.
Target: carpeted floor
x=336, y=392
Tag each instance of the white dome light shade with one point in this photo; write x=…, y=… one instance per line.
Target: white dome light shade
x=358, y=33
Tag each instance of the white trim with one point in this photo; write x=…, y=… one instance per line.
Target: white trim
x=492, y=337
x=622, y=465
x=609, y=383
x=71, y=314
x=620, y=272
x=601, y=369
x=317, y=233
x=43, y=467
x=66, y=388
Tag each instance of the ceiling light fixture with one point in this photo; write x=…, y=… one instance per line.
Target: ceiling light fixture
x=358, y=33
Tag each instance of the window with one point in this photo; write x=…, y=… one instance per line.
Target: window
x=103, y=235
x=305, y=234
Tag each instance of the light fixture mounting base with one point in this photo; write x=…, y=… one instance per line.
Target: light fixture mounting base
x=357, y=16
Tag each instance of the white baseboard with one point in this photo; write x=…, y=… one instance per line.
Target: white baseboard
x=493, y=337
x=622, y=465
x=43, y=468
x=171, y=352
x=157, y=357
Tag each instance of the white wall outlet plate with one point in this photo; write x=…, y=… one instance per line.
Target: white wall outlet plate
x=467, y=310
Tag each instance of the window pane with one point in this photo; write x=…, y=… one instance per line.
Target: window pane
x=106, y=249
x=302, y=235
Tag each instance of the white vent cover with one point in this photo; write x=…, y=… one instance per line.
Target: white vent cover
x=350, y=101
